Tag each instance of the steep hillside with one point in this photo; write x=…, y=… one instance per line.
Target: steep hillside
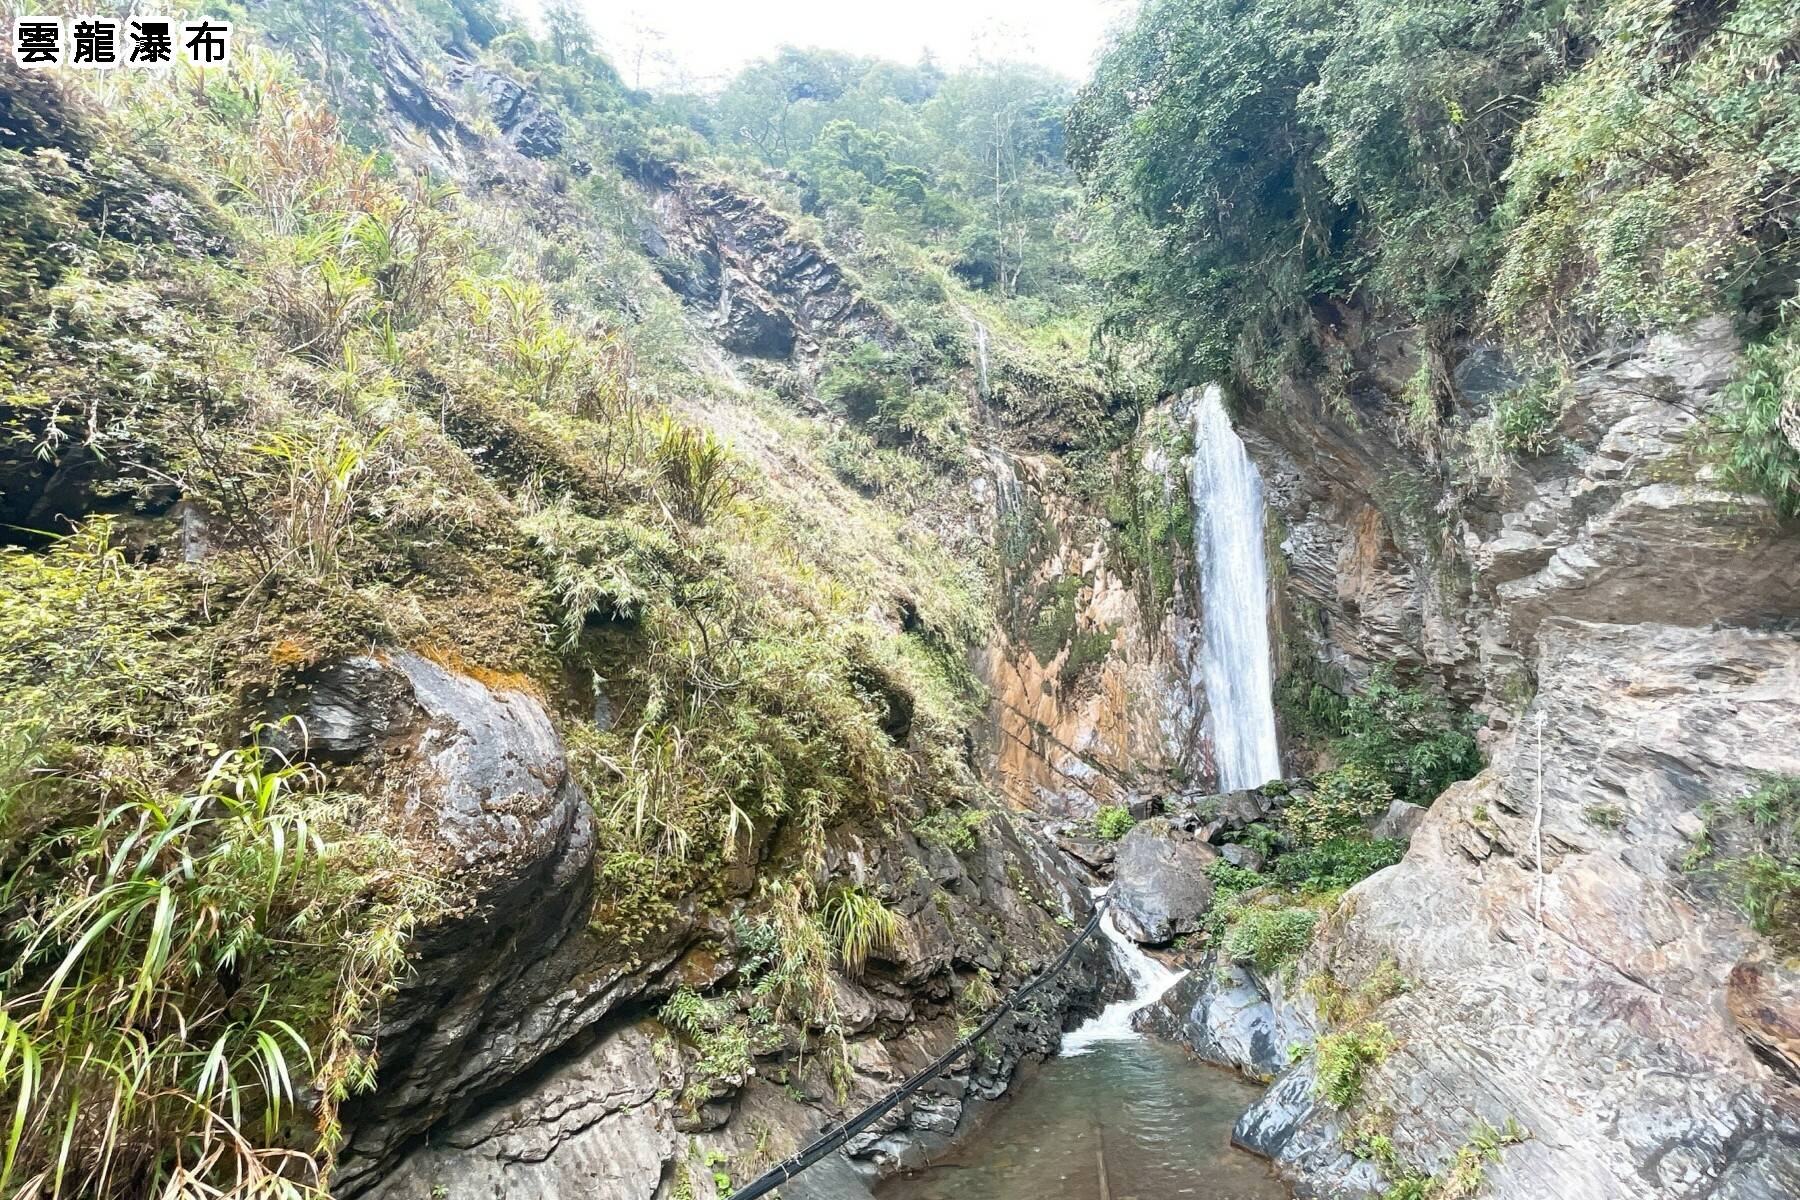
x=453, y=660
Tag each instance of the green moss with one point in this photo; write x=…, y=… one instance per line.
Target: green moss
x=1054, y=621
x=1087, y=648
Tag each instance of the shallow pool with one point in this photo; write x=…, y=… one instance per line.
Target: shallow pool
x=1126, y=1119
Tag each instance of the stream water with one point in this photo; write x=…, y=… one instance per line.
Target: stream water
x=1116, y=1116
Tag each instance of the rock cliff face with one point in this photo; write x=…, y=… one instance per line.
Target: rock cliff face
x=766, y=291
x=1091, y=700
x=1627, y=627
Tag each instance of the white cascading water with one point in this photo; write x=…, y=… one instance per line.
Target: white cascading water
x=1149, y=980
x=1235, y=664
x=981, y=353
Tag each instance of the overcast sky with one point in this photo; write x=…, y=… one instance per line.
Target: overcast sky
x=656, y=44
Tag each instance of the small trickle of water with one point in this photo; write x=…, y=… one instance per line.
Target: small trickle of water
x=981, y=353
x=1149, y=980
x=1235, y=665
x=1006, y=484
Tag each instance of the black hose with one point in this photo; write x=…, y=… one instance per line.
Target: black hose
x=832, y=1139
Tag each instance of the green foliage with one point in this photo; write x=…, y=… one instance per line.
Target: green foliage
x=697, y=470
x=1646, y=187
x=858, y=924
x=1087, y=648
x=955, y=830
x=1606, y=816
x=1269, y=938
x=970, y=162
x=1112, y=822
x=1245, y=162
x=874, y=391
x=180, y=964
x=1751, y=846
x=1340, y=802
x=1525, y=421
x=1408, y=737
x=722, y=1039
x=602, y=570
x=1228, y=880
x=1336, y=863
x=1757, y=428
x=1344, y=1060
x=1309, y=694
x=1569, y=168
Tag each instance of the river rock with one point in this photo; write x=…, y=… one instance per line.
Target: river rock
x=1160, y=888
x=1228, y=1014
x=1398, y=822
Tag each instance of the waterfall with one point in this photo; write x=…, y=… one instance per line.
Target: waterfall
x=1235, y=665
x=1149, y=980
x=981, y=357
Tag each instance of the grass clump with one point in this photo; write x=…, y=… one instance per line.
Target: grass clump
x=859, y=924
x=1268, y=938
x=1112, y=822
x=1524, y=421
x=180, y=965
x=1460, y=1180
x=1345, y=1059
x=1750, y=847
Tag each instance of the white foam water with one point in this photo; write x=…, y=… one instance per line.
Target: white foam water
x=1235, y=666
x=1149, y=981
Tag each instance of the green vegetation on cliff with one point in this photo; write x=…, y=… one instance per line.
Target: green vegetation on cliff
x=391, y=417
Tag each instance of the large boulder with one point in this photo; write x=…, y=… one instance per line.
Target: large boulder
x=1228, y=1014
x=480, y=778
x=1161, y=889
